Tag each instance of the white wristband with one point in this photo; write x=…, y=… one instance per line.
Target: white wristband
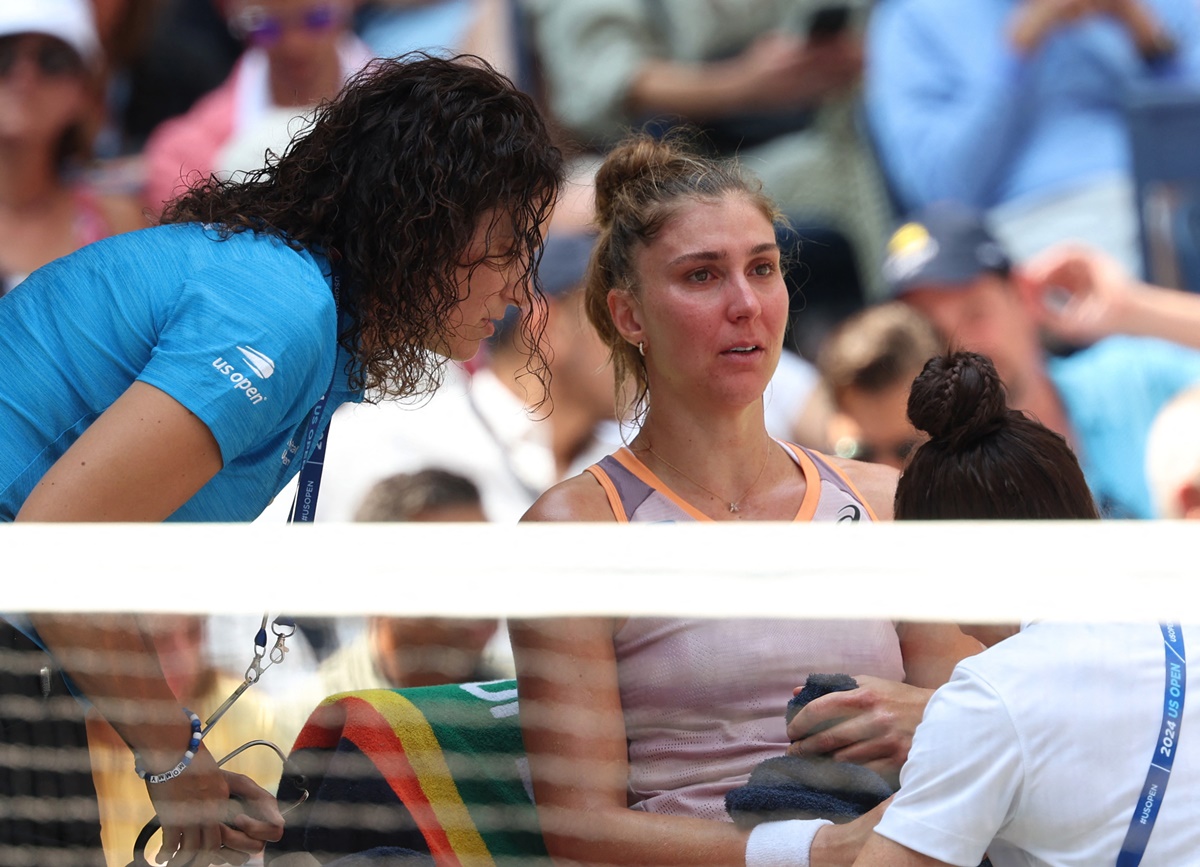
x=782, y=844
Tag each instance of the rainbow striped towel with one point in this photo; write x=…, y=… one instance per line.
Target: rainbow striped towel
x=439, y=770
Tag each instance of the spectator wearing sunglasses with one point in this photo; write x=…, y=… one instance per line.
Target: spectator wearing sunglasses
x=867, y=364
x=49, y=64
x=297, y=53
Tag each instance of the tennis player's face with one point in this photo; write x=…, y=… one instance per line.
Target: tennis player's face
x=491, y=278
x=713, y=304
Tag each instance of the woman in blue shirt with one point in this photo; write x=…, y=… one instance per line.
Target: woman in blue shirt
x=187, y=371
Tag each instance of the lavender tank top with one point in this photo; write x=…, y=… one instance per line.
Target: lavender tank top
x=704, y=699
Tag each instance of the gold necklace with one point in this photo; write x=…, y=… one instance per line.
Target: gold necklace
x=733, y=504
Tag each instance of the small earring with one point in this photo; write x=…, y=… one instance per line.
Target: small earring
x=642, y=348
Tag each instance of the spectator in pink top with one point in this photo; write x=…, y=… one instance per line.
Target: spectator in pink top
x=298, y=52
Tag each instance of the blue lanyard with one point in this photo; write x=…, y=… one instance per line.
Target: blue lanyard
x=304, y=508
x=1159, y=773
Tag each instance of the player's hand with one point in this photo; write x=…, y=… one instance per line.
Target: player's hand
x=870, y=726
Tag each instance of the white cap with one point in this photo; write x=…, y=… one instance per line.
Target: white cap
x=72, y=21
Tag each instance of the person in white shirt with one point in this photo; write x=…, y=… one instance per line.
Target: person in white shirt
x=1055, y=746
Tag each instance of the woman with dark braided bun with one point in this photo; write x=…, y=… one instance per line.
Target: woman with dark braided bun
x=975, y=441
x=1055, y=746
x=960, y=401
x=186, y=371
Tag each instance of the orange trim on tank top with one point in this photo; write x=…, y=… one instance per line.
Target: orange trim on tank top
x=614, y=498
x=853, y=487
x=812, y=483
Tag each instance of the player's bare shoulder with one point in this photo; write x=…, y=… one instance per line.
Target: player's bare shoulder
x=579, y=498
x=876, y=483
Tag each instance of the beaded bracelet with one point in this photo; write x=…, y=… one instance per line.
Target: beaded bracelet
x=193, y=745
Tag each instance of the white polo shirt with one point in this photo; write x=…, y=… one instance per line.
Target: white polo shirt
x=1036, y=752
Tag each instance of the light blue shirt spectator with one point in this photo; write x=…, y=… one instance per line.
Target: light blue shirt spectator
x=958, y=114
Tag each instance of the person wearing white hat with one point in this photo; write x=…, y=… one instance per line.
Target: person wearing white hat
x=69, y=21
x=49, y=63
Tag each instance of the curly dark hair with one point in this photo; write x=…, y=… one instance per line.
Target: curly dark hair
x=392, y=178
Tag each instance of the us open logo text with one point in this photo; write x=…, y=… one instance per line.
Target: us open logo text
x=258, y=363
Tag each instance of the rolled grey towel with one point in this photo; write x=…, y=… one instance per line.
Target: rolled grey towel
x=816, y=686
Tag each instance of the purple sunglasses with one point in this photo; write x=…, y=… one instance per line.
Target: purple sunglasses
x=262, y=30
